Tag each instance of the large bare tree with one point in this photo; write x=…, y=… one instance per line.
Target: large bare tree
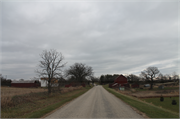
x=79, y=71
x=50, y=67
x=150, y=73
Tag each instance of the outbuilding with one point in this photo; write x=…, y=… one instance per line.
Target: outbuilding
x=44, y=82
x=25, y=84
x=120, y=81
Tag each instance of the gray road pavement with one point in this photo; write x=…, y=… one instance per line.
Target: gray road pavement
x=96, y=103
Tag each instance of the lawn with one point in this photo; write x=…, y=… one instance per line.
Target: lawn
x=165, y=104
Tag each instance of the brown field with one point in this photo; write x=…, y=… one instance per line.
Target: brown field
x=8, y=92
x=12, y=91
x=151, y=93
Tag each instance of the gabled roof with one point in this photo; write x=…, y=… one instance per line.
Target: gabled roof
x=121, y=78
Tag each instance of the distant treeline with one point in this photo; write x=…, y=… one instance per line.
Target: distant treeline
x=108, y=78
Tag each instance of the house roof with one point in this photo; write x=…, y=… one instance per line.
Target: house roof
x=32, y=81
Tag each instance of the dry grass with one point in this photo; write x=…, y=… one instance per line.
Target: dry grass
x=65, y=90
x=12, y=91
x=33, y=105
x=7, y=93
x=151, y=93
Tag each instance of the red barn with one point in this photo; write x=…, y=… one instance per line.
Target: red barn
x=120, y=81
x=25, y=84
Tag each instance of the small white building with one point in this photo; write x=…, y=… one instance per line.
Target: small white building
x=44, y=82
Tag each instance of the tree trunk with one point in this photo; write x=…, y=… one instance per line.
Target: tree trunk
x=151, y=84
x=49, y=88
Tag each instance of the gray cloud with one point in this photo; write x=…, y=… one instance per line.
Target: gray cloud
x=112, y=37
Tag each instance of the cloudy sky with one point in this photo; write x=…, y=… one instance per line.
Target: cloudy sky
x=113, y=37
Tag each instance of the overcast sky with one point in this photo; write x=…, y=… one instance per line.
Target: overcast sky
x=113, y=37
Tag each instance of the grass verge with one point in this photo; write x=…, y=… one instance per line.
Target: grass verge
x=38, y=108
x=150, y=110
x=165, y=104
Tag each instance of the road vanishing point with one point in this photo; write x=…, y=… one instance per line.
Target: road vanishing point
x=95, y=103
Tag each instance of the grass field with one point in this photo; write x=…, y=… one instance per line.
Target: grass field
x=35, y=105
x=149, y=109
x=165, y=104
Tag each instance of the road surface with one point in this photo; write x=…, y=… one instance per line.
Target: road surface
x=96, y=103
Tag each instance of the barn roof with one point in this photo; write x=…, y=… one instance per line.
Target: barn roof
x=120, y=76
x=32, y=81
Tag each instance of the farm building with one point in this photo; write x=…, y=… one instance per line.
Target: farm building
x=119, y=81
x=25, y=84
x=44, y=82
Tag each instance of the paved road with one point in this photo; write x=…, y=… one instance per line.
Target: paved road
x=96, y=103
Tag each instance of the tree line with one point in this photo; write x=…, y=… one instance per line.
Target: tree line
x=149, y=75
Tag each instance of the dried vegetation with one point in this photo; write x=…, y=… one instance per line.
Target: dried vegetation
x=11, y=96
x=146, y=93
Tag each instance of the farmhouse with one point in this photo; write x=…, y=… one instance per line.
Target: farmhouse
x=119, y=81
x=25, y=84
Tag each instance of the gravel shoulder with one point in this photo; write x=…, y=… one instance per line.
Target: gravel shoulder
x=96, y=103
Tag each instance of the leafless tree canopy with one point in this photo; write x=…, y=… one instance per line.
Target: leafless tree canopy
x=50, y=66
x=150, y=73
x=144, y=75
x=79, y=71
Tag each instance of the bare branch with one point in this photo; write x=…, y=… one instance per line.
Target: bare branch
x=50, y=66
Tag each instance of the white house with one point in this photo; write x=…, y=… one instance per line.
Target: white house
x=44, y=82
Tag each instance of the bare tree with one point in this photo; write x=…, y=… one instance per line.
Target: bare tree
x=50, y=66
x=151, y=73
x=167, y=77
x=79, y=71
x=144, y=76
x=21, y=79
x=133, y=78
x=160, y=77
x=175, y=76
